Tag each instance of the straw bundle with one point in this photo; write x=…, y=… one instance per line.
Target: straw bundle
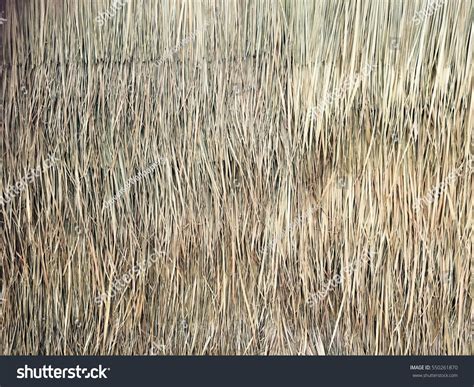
x=279, y=160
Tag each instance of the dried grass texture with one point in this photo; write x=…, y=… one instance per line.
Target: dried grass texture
x=258, y=204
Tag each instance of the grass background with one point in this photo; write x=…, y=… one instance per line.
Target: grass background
x=258, y=204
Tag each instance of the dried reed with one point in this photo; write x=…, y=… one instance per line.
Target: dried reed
x=243, y=171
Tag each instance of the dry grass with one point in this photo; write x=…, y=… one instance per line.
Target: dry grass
x=242, y=168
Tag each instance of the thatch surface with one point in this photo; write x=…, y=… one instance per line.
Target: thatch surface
x=259, y=203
